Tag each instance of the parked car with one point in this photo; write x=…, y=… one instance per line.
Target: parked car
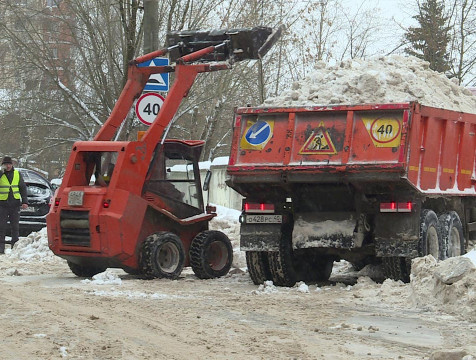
x=39, y=192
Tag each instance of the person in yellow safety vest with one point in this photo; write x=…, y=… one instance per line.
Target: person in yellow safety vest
x=13, y=195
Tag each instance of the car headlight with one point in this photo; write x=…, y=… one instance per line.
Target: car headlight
x=38, y=191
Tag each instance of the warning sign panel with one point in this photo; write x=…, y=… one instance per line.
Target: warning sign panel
x=257, y=134
x=319, y=142
x=384, y=132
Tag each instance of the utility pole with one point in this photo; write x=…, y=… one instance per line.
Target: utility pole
x=151, y=25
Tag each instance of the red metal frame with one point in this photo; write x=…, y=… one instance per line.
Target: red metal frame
x=117, y=230
x=436, y=150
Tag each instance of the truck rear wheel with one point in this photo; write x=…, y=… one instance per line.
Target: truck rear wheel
x=162, y=256
x=281, y=264
x=84, y=270
x=430, y=239
x=452, y=235
x=211, y=254
x=258, y=266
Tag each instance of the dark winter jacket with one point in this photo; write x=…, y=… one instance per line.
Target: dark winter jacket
x=11, y=201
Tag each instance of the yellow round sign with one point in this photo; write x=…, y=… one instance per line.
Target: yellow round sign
x=385, y=132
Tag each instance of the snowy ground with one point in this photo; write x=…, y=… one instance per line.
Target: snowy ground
x=48, y=313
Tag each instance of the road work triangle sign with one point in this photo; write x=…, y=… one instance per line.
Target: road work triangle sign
x=319, y=143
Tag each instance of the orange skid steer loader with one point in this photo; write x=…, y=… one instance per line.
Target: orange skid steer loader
x=131, y=214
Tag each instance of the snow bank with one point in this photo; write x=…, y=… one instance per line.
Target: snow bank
x=448, y=285
x=391, y=79
x=107, y=277
x=34, y=247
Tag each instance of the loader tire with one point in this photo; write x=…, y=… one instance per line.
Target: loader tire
x=162, y=256
x=84, y=270
x=281, y=264
x=258, y=266
x=211, y=254
x=452, y=235
x=397, y=268
x=430, y=239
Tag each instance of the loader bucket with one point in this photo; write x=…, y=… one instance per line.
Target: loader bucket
x=241, y=44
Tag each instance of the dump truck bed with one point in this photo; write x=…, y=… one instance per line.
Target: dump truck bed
x=431, y=149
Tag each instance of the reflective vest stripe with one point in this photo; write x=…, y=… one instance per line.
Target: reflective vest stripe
x=5, y=186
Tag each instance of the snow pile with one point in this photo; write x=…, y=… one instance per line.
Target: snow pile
x=266, y=288
x=34, y=247
x=302, y=287
x=448, y=285
x=107, y=277
x=391, y=79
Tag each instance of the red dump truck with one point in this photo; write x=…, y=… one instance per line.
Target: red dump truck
x=373, y=183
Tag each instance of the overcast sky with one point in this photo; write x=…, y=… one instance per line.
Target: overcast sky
x=395, y=15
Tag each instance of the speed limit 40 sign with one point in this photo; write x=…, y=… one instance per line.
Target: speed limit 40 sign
x=148, y=106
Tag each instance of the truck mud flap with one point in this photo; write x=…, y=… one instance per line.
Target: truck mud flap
x=260, y=237
x=324, y=230
x=396, y=235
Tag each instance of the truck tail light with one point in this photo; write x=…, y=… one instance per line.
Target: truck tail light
x=396, y=207
x=260, y=208
x=106, y=203
x=57, y=202
x=405, y=206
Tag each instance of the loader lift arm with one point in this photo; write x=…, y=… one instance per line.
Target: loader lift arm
x=194, y=53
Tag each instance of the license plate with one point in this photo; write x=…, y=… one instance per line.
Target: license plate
x=75, y=198
x=28, y=209
x=264, y=219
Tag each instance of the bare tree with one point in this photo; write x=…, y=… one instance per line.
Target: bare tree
x=463, y=40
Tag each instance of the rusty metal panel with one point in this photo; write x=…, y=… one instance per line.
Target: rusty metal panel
x=319, y=138
x=377, y=137
x=466, y=158
x=430, y=149
x=433, y=149
x=442, y=151
x=449, y=152
x=262, y=139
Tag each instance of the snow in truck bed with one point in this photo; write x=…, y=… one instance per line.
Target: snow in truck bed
x=392, y=79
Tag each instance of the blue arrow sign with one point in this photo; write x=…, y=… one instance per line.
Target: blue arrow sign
x=258, y=133
x=157, y=82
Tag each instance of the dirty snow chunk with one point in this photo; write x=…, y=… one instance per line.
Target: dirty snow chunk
x=266, y=288
x=105, y=278
x=453, y=269
x=342, y=267
x=302, y=287
x=471, y=255
x=63, y=351
x=391, y=79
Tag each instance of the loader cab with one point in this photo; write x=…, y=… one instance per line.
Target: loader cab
x=100, y=167
x=174, y=176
